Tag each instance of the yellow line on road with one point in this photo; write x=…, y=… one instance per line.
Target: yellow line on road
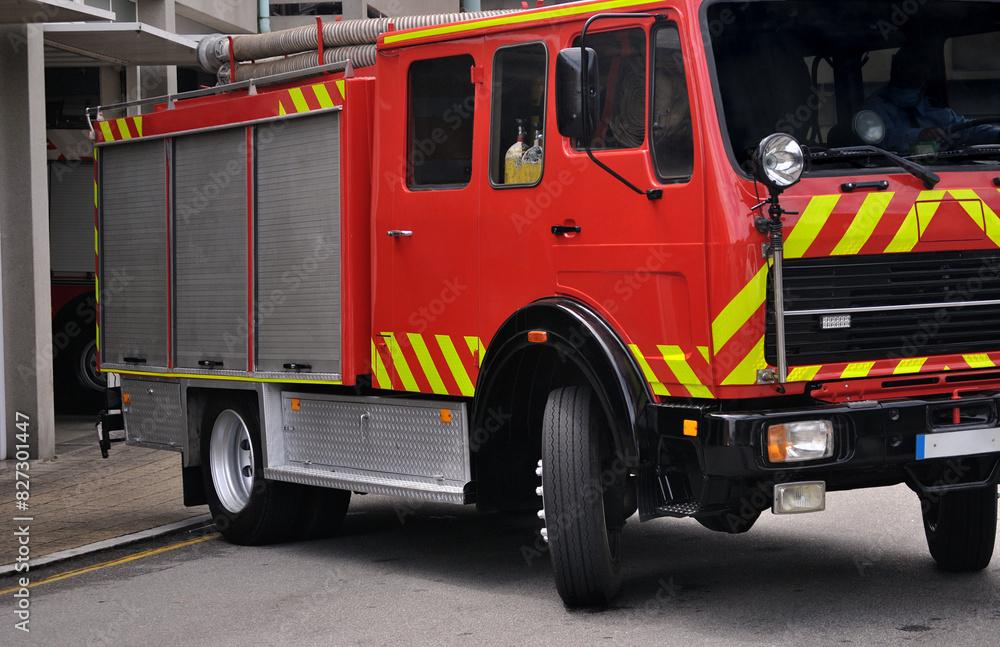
x=114, y=562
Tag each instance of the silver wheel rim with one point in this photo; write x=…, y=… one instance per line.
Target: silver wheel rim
x=92, y=377
x=231, y=458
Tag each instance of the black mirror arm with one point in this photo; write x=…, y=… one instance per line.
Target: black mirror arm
x=651, y=194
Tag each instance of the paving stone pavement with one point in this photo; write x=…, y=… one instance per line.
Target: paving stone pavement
x=79, y=498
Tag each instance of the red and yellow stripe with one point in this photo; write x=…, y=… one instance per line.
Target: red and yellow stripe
x=427, y=363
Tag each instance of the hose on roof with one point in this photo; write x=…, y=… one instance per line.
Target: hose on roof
x=347, y=39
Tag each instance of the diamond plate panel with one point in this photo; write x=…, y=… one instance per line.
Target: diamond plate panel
x=403, y=440
x=154, y=416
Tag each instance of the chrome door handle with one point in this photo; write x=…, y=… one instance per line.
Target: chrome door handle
x=400, y=233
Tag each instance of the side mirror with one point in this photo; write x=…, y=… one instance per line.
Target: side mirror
x=569, y=93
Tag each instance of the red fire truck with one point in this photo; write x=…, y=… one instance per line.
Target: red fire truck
x=685, y=258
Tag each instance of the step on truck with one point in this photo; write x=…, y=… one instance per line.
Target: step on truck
x=609, y=260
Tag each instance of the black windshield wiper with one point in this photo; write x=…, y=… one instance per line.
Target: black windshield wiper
x=975, y=150
x=929, y=178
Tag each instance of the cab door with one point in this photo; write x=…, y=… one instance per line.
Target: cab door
x=426, y=330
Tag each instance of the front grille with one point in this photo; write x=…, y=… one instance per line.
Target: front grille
x=959, y=292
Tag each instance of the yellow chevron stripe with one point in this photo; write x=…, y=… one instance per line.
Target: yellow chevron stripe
x=123, y=128
x=857, y=369
x=342, y=87
x=647, y=371
x=455, y=364
x=510, y=19
x=803, y=373
x=381, y=375
x=106, y=131
x=427, y=363
x=476, y=346
x=864, y=224
x=909, y=233
x=979, y=360
x=400, y=364
x=299, y=99
x=677, y=361
x=138, y=125
x=322, y=95
x=704, y=353
x=281, y=109
x=804, y=233
x=909, y=365
x=989, y=216
x=739, y=310
x=746, y=371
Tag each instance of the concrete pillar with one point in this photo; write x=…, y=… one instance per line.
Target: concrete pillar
x=24, y=240
x=155, y=80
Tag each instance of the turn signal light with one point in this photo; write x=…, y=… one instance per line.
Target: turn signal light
x=538, y=336
x=802, y=440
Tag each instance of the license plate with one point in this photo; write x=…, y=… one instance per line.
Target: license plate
x=958, y=443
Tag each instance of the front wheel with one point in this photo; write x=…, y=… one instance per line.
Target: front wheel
x=246, y=508
x=583, y=496
x=961, y=528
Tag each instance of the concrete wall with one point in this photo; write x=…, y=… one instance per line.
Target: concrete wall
x=224, y=16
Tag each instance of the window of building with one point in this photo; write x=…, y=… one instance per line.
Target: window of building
x=517, y=131
x=670, y=112
x=621, y=56
x=442, y=106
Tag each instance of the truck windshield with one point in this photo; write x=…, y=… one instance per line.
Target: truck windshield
x=920, y=79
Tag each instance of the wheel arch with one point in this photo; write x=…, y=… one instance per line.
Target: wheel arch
x=517, y=375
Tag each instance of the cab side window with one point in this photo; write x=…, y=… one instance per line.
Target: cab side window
x=672, y=141
x=621, y=56
x=441, y=108
x=517, y=140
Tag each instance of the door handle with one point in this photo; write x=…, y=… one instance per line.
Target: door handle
x=559, y=230
x=400, y=233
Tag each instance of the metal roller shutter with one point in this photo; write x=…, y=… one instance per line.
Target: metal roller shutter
x=298, y=245
x=71, y=217
x=210, y=247
x=133, y=287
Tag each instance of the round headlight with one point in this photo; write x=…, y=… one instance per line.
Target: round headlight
x=869, y=127
x=779, y=161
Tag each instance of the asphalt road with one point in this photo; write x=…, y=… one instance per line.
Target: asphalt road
x=857, y=574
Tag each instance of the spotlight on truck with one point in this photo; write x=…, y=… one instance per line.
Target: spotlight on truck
x=778, y=161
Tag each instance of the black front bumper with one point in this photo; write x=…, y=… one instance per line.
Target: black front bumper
x=932, y=444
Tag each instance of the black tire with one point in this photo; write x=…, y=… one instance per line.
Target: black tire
x=583, y=498
x=247, y=508
x=322, y=512
x=961, y=528
x=78, y=385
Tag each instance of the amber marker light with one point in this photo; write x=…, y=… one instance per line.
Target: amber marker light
x=690, y=427
x=446, y=416
x=538, y=336
x=126, y=398
x=296, y=404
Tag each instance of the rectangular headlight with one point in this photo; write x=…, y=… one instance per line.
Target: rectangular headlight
x=792, y=498
x=802, y=440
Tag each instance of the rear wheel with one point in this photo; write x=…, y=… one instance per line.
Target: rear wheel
x=246, y=508
x=961, y=528
x=583, y=497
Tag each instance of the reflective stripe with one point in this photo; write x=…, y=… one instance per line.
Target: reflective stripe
x=676, y=359
x=455, y=364
x=342, y=87
x=805, y=231
x=909, y=365
x=864, y=223
x=647, y=372
x=123, y=129
x=857, y=369
x=979, y=360
x=908, y=234
x=803, y=373
x=511, y=19
x=400, y=364
x=106, y=131
x=427, y=363
x=322, y=96
x=381, y=375
x=476, y=346
x=746, y=371
x=740, y=309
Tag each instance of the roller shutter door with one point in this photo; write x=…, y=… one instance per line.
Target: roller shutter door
x=210, y=243
x=133, y=287
x=298, y=245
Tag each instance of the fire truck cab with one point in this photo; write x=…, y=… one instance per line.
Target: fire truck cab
x=683, y=258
